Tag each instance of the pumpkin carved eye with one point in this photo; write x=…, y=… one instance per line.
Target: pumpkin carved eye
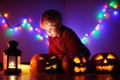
x=110, y=56
x=53, y=57
x=76, y=60
x=74, y=64
x=41, y=58
x=98, y=57
x=104, y=62
x=84, y=59
x=45, y=63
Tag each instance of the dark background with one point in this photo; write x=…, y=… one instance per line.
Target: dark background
x=80, y=15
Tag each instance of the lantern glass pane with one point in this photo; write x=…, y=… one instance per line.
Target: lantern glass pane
x=12, y=62
x=4, y=61
x=19, y=62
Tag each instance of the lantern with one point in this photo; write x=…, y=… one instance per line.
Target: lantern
x=47, y=63
x=12, y=59
x=74, y=64
x=104, y=63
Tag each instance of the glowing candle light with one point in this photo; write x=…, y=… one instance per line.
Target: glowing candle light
x=25, y=68
x=11, y=64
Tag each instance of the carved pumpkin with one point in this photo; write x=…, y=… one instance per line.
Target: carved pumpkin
x=45, y=63
x=74, y=64
x=104, y=63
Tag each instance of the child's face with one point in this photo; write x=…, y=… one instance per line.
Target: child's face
x=51, y=29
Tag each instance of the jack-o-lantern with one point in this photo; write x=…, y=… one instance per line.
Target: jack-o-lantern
x=74, y=64
x=45, y=63
x=104, y=63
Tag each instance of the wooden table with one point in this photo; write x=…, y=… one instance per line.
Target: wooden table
x=27, y=75
x=58, y=76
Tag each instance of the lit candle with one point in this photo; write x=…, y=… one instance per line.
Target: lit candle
x=12, y=64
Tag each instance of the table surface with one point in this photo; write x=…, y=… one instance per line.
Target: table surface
x=58, y=76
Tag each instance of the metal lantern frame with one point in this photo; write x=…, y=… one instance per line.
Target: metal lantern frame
x=11, y=63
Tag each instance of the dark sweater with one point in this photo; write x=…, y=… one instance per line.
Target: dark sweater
x=67, y=43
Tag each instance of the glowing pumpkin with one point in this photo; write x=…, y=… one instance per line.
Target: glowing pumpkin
x=74, y=64
x=104, y=62
x=45, y=63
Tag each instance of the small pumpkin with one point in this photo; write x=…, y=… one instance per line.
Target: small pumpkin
x=74, y=64
x=104, y=63
x=45, y=63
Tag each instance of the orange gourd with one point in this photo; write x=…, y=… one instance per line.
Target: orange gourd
x=47, y=63
x=74, y=64
x=104, y=63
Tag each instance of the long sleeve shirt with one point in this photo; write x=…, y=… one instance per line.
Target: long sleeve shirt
x=67, y=43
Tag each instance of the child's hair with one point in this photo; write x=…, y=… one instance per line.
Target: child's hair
x=52, y=16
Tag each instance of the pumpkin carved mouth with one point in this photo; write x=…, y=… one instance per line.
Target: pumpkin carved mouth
x=105, y=68
x=81, y=69
x=52, y=66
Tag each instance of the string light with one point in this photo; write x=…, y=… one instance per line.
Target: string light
x=6, y=15
x=26, y=23
x=104, y=13
x=115, y=12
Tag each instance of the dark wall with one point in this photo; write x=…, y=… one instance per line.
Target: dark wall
x=18, y=10
x=80, y=15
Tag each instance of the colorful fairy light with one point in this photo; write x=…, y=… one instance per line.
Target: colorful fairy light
x=104, y=13
x=5, y=25
x=105, y=6
x=115, y=12
x=30, y=20
x=30, y=28
x=26, y=23
x=6, y=15
x=84, y=40
x=16, y=29
x=100, y=16
x=113, y=4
